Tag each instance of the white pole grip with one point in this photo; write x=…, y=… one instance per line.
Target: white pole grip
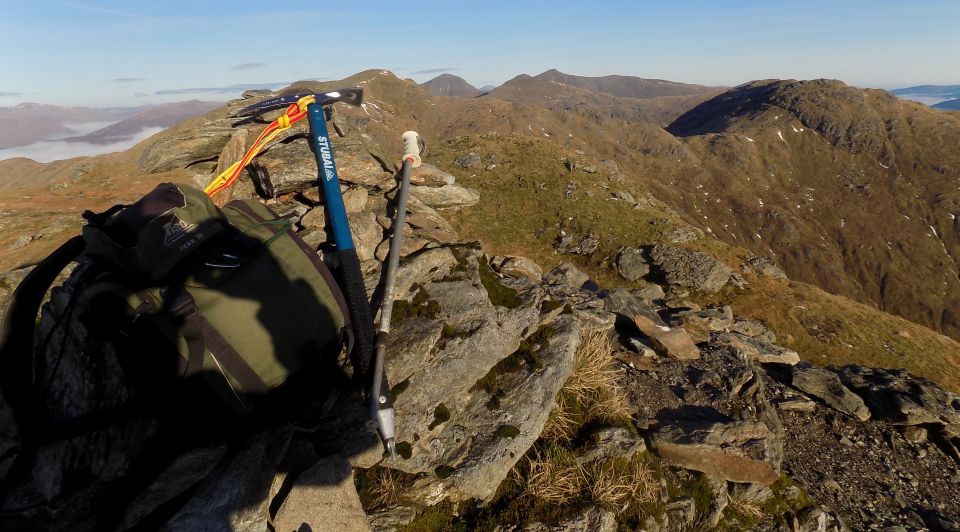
x=411, y=148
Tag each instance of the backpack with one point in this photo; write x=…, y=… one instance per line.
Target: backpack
x=229, y=297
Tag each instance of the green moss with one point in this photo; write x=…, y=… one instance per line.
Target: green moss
x=438, y=518
x=399, y=388
x=420, y=306
x=550, y=305
x=457, y=272
x=444, y=471
x=507, y=431
x=787, y=496
x=405, y=450
x=487, y=383
x=449, y=332
x=693, y=485
x=500, y=295
x=441, y=414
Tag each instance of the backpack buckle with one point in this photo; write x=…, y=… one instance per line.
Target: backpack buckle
x=224, y=260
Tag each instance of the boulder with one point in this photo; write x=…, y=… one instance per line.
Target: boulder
x=757, y=349
x=699, y=324
x=593, y=519
x=181, y=147
x=235, y=496
x=468, y=160
x=903, y=399
x=367, y=234
x=753, y=329
x=690, y=269
x=566, y=275
x=427, y=175
x=649, y=293
x=826, y=386
x=577, y=245
x=675, y=343
x=516, y=266
x=738, y=451
x=611, y=442
x=446, y=196
x=323, y=498
x=763, y=266
x=355, y=199
x=631, y=264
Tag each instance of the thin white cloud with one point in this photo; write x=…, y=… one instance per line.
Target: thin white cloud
x=55, y=150
x=248, y=66
x=435, y=70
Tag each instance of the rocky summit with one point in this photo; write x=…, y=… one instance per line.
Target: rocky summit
x=551, y=370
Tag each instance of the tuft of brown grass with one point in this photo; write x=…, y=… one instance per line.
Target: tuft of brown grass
x=748, y=509
x=615, y=482
x=554, y=477
x=387, y=488
x=592, y=393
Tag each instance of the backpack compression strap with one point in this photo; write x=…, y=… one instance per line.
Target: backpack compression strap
x=17, y=334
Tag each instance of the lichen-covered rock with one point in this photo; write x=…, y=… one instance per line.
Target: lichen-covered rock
x=446, y=196
x=181, y=147
x=690, y=269
x=516, y=266
x=427, y=175
x=323, y=498
x=593, y=519
x=757, y=349
x=631, y=264
x=738, y=451
x=826, y=386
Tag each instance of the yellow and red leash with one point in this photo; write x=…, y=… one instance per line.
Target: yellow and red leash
x=293, y=114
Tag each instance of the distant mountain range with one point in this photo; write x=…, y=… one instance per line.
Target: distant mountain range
x=29, y=123
x=929, y=94
x=949, y=105
x=625, y=97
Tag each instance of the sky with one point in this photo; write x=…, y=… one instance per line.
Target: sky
x=120, y=53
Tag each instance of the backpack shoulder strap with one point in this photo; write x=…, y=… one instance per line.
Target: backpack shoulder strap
x=17, y=333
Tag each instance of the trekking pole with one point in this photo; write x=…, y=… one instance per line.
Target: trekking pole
x=382, y=406
x=352, y=280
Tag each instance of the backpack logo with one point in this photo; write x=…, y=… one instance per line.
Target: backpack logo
x=176, y=229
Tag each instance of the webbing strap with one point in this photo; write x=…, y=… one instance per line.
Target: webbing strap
x=201, y=336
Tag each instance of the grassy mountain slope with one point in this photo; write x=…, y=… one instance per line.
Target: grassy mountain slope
x=523, y=209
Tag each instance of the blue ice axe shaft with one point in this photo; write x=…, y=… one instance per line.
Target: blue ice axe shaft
x=351, y=277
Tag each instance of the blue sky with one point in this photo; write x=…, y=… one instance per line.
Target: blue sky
x=98, y=52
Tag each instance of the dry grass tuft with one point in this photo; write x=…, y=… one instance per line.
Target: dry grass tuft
x=387, y=488
x=749, y=509
x=554, y=477
x=615, y=482
x=592, y=393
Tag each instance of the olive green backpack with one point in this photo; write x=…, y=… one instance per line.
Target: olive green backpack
x=243, y=303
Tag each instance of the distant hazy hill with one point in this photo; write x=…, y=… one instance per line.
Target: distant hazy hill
x=450, y=85
x=164, y=115
x=928, y=94
x=27, y=123
x=949, y=105
x=626, y=86
x=624, y=97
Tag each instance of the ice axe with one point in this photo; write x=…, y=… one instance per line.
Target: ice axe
x=351, y=276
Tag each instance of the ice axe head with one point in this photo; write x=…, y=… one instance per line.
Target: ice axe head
x=350, y=96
